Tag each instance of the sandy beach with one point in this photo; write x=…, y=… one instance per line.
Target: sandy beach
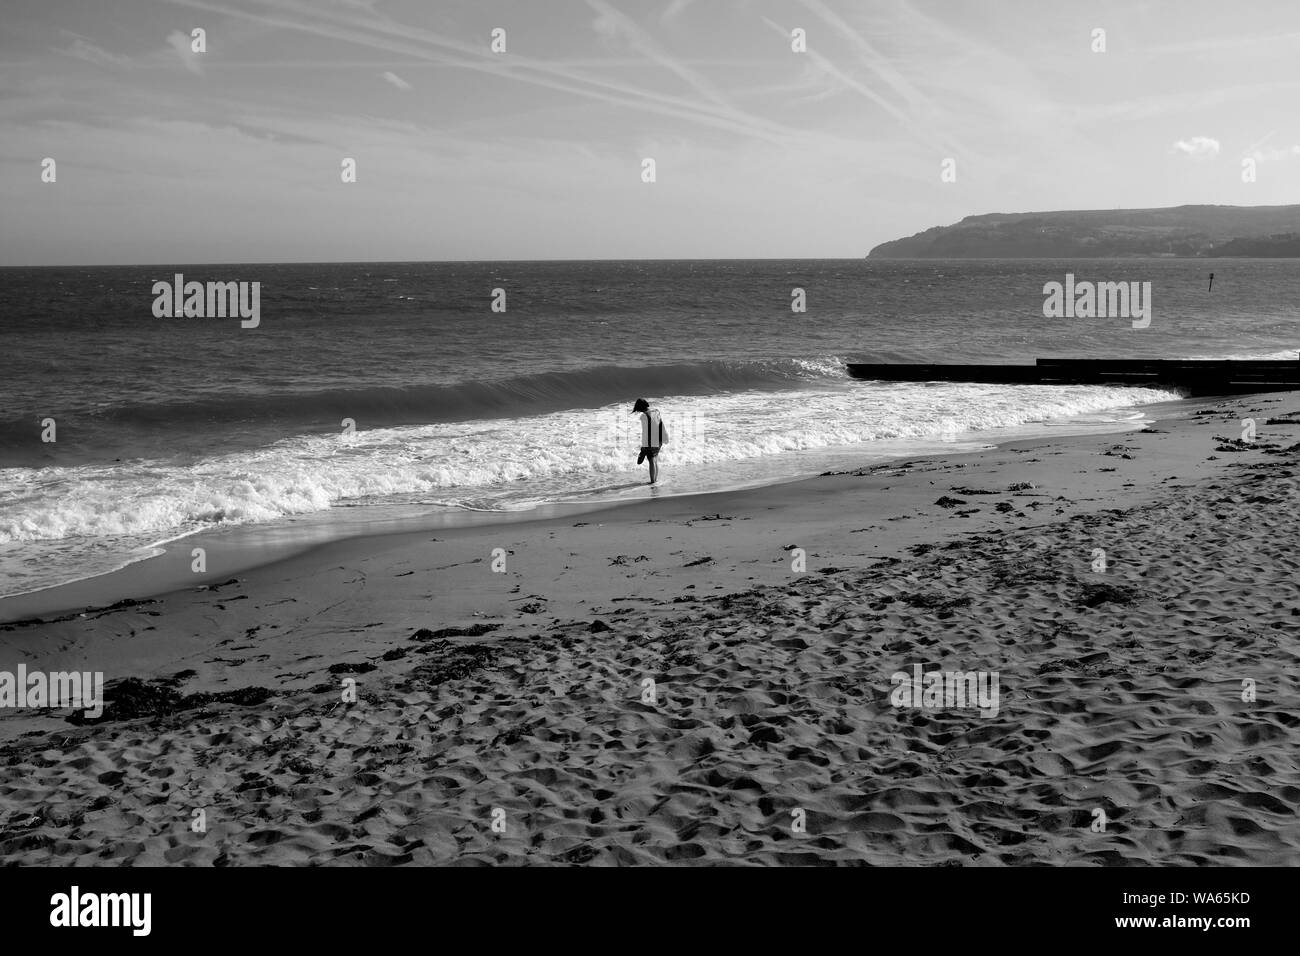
x=708, y=679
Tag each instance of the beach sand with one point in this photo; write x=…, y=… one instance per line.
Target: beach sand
x=768, y=735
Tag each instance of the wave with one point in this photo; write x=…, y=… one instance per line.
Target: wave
x=527, y=393
x=546, y=454
x=1283, y=356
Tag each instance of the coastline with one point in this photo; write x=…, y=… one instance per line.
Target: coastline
x=774, y=683
x=456, y=552
x=237, y=549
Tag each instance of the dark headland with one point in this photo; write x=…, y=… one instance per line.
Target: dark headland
x=1178, y=231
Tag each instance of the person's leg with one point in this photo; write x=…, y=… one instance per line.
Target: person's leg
x=654, y=466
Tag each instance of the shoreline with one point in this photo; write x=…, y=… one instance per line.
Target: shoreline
x=139, y=582
x=524, y=689
x=247, y=547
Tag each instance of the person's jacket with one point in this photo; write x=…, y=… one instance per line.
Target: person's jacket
x=653, y=432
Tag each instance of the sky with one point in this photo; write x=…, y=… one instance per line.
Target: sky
x=165, y=154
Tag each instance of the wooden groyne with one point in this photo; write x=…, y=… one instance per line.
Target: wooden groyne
x=1194, y=377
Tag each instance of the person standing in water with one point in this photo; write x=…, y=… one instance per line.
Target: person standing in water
x=653, y=436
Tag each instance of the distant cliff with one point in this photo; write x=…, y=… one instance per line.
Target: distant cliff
x=1262, y=231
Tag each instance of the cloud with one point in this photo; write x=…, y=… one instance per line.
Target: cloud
x=675, y=10
x=611, y=23
x=392, y=37
x=888, y=87
x=396, y=80
x=1198, y=147
x=180, y=42
x=1272, y=155
x=83, y=50
x=607, y=25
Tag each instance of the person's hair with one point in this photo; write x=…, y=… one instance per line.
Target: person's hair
x=641, y=405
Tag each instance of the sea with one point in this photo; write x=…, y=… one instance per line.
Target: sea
x=379, y=395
